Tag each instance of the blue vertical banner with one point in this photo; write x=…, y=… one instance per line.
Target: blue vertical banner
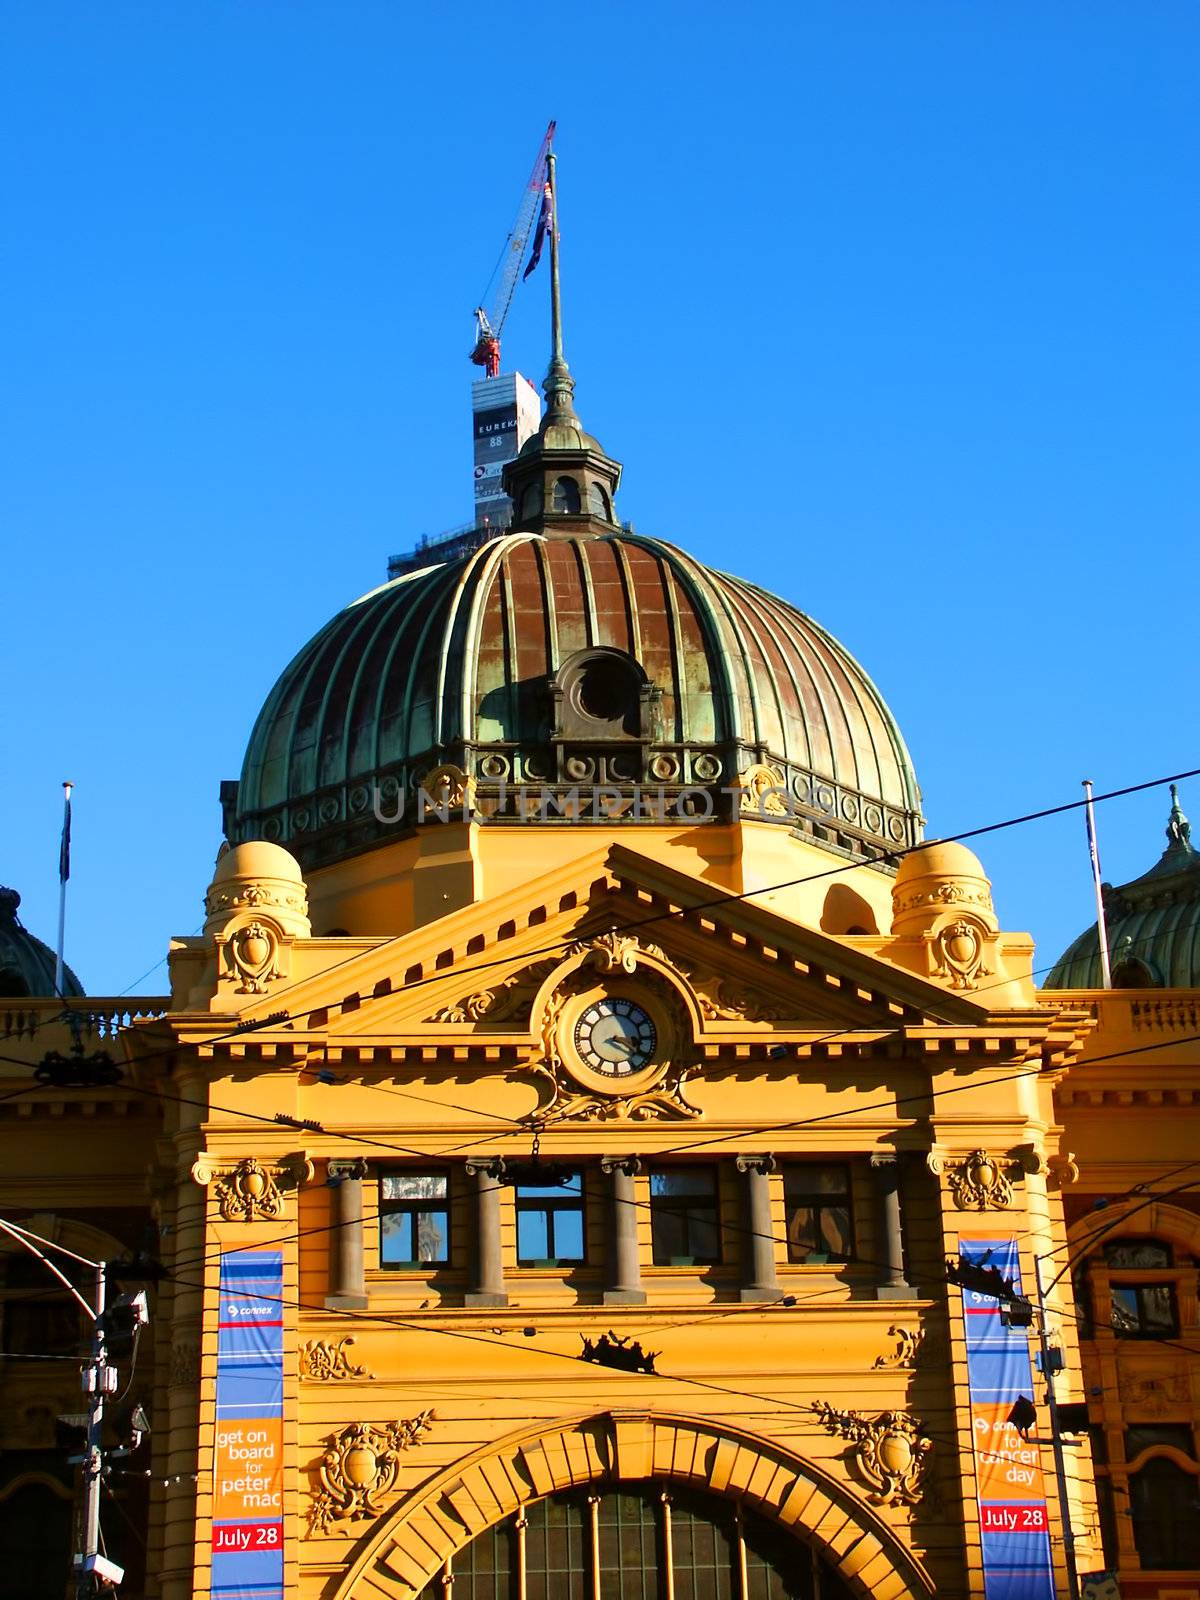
x=1015, y=1527
x=247, y=1530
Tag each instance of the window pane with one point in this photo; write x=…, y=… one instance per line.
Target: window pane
x=629, y=1544
x=683, y=1181
x=1124, y=1309
x=554, y=1564
x=414, y=1186
x=702, y=1549
x=568, y=1235
x=1158, y=1307
x=703, y=1242
x=811, y=1180
x=667, y=1236
x=1137, y=1253
x=396, y=1238
x=433, y=1236
x=533, y=1243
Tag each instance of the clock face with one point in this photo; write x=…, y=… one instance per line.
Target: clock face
x=615, y=1037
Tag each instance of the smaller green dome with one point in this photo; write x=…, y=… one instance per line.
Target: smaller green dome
x=1153, y=924
x=26, y=964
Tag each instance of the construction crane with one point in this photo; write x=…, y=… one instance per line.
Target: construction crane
x=489, y=324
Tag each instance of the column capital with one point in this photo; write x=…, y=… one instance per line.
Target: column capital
x=490, y=1166
x=760, y=1161
x=629, y=1165
x=338, y=1169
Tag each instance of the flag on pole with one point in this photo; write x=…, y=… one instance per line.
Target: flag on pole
x=539, y=235
x=64, y=849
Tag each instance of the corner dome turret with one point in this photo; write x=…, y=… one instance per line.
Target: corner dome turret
x=26, y=964
x=1153, y=923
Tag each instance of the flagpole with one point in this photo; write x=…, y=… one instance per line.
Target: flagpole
x=64, y=872
x=556, y=342
x=1094, y=852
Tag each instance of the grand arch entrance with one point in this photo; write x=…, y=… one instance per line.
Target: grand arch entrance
x=635, y=1542
x=633, y=1505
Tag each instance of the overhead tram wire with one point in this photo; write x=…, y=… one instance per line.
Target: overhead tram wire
x=716, y=902
x=743, y=1133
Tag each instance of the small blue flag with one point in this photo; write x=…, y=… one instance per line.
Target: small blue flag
x=64, y=849
x=539, y=236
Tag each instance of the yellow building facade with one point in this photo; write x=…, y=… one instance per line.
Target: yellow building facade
x=555, y=1140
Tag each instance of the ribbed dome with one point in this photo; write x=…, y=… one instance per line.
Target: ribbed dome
x=1153, y=924
x=26, y=964
x=477, y=662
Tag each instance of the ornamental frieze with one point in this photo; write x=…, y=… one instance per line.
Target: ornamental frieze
x=359, y=1469
x=328, y=1361
x=891, y=1451
x=251, y=1190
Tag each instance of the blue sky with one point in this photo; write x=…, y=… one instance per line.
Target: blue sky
x=890, y=308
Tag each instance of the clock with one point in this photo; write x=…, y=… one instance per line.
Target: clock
x=615, y=1037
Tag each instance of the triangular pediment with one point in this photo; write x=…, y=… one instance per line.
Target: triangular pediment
x=474, y=976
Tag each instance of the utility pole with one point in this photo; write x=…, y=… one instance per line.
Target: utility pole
x=93, y=1571
x=99, y=1379
x=1050, y=1368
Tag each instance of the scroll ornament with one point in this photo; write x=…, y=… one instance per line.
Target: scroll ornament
x=891, y=1451
x=360, y=1467
x=327, y=1360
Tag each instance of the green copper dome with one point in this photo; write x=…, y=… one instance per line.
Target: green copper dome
x=583, y=662
x=26, y=964
x=1153, y=924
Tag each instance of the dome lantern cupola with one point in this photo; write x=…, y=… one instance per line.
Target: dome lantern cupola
x=562, y=482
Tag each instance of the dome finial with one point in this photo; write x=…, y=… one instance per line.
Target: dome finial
x=559, y=385
x=1179, y=829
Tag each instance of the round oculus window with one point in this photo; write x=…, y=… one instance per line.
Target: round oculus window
x=615, y=1037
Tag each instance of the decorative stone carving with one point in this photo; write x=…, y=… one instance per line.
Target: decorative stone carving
x=326, y=1360
x=958, y=951
x=943, y=895
x=359, y=1469
x=721, y=1000
x=449, y=788
x=1155, y=1393
x=253, y=956
x=891, y=1451
x=908, y=1348
x=978, y=1183
x=665, y=1099
x=183, y=1371
x=251, y=1191
x=763, y=790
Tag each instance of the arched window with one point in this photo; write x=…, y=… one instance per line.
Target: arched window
x=566, y=495
x=598, y=502
x=1162, y=1502
x=581, y=1546
x=531, y=502
x=35, y=1536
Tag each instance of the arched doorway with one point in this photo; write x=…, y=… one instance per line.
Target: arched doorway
x=740, y=1497
x=636, y=1541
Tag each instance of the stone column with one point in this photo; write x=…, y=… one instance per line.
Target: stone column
x=624, y=1286
x=486, y=1286
x=893, y=1285
x=759, y=1280
x=347, y=1270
